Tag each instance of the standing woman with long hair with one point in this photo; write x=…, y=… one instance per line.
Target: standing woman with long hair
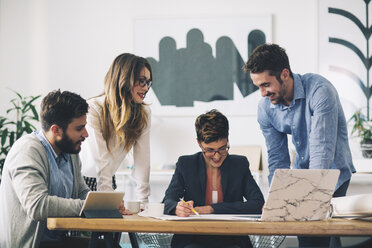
x=119, y=120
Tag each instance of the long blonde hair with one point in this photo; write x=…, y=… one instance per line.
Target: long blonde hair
x=121, y=115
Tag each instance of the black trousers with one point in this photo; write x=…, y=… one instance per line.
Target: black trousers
x=71, y=242
x=320, y=241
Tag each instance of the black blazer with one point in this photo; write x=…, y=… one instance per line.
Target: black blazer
x=189, y=181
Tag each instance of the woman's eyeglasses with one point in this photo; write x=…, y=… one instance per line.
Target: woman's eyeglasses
x=143, y=82
x=223, y=151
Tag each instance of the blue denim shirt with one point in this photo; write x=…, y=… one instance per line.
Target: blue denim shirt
x=317, y=123
x=61, y=178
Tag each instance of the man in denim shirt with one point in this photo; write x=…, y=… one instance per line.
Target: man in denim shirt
x=307, y=107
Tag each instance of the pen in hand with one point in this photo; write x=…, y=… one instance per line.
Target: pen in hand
x=192, y=209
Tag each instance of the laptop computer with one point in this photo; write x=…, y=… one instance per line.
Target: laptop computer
x=102, y=204
x=300, y=195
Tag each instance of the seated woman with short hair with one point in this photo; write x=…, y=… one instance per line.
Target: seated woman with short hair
x=212, y=182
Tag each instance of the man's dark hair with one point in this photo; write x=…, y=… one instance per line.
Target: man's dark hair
x=269, y=57
x=60, y=108
x=211, y=126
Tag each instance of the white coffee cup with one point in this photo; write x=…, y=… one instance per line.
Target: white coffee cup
x=155, y=209
x=133, y=206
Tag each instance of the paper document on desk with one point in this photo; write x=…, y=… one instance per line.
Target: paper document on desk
x=240, y=217
x=352, y=206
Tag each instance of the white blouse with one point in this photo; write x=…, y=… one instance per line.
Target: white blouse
x=102, y=164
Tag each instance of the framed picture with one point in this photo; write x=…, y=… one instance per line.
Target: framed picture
x=197, y=62
x=197, y=65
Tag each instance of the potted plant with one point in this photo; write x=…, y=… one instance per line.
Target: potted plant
x=22, y=114
x=362, y=128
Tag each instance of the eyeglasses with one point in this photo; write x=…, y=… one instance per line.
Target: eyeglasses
x=142, y=82
x=223, y=151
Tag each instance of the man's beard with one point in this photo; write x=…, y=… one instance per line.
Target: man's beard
x=279, y=95
x=67, y=145
x=277, y=100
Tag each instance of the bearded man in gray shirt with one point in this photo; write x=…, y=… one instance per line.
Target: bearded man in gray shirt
x=41, y=176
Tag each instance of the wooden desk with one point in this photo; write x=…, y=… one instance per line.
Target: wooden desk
x=332, y=227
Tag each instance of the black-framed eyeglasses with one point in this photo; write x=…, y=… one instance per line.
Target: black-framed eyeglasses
x=223, y=151
x=143, y=82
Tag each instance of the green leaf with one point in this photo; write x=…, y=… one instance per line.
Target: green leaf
x=19, y=125
x=36, y=115
x=11, y=138
x=15, y=103
x=19, y=95
x=32, y=127
x=29, y=103
x=10, y=123
x=9, y=110
x=2, y=122
x=4, y=135
x=28, y=128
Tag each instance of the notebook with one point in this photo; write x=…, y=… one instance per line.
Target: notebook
x=300, y=195
x=354, y=206
x=102, y=204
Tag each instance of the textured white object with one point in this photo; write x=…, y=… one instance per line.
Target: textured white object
x=133, y=206
x=355, y=205
x=300, y=195
x=155, y=209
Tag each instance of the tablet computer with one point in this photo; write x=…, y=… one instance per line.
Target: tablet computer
x=102, y=204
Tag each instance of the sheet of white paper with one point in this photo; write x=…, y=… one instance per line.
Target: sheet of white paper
x=240, y=217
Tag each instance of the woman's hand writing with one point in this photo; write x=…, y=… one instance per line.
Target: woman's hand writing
x=183, y=209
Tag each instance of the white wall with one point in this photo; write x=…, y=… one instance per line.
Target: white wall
x=69, y=44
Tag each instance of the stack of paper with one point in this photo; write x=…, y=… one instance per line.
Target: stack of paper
x=352, y=206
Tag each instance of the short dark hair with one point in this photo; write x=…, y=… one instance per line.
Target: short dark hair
x=269, y=57
x=211, y=126
x=60, y=108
